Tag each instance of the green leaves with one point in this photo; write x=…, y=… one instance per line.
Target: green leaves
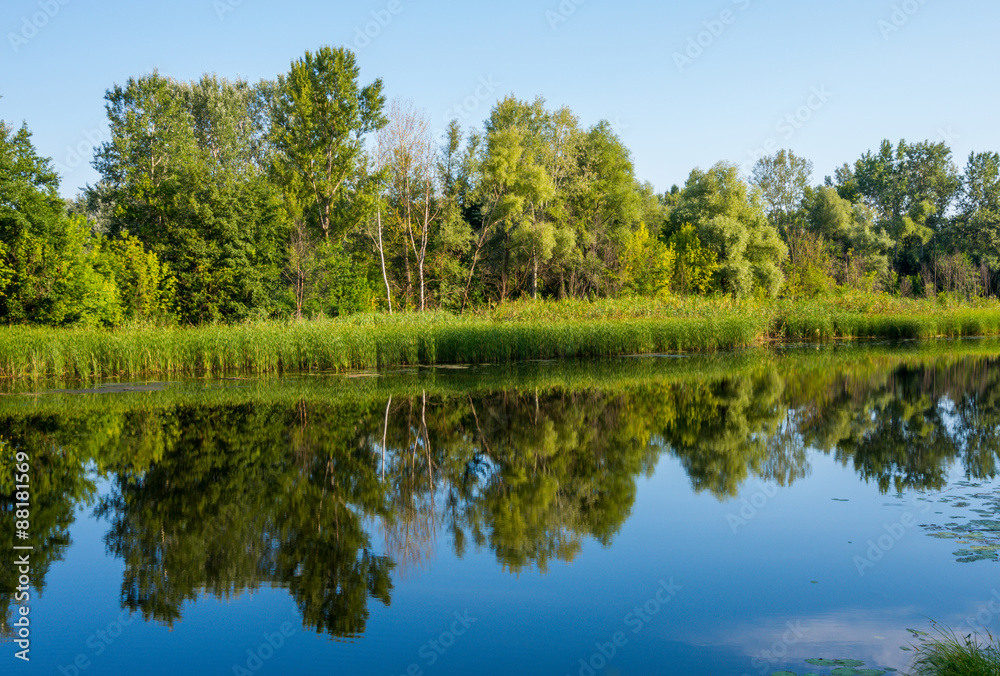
x=320, y=118
x=729, y=218
x=782, y=180
x=185, y=172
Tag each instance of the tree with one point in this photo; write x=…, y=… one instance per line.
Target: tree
x=31, y=218
x=555, y=204
x=451, y=247
x=695, y=265
x=57, y=269
x=861, y=246
x=319, y=121
x=185, y=173
x=782, y=180
x=976, y=227
x=515, y=177
x=911, y=188
x=407, y=152
x=605, y=208
x=646, y=264
x=729, y=219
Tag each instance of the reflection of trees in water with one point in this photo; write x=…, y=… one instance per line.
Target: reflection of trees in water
x=219, y=499
x=58, y=482
x=407, y=471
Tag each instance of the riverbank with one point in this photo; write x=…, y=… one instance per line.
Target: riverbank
x=513, y=332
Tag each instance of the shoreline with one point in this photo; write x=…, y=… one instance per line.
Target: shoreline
x=517, y=332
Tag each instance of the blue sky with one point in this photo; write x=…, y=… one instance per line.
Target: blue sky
x=849, y=73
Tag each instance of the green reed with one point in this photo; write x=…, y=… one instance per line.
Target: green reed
x=512, y=332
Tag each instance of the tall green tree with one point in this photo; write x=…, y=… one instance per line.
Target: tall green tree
x=782, y=179
x=451, y=248
x=976, y=226
x=911, y=188
x=31, y=216
x=320, y=118
x=862, y=247
x=515, y=173
x=729, y=219
x=185, y=174
x=606, y=209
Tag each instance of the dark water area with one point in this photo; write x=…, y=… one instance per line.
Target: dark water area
x=728, y=514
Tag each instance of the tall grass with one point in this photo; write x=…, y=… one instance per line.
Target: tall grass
x=884, y=317
x=810, y=376
x=951, y=654
x=512, y=332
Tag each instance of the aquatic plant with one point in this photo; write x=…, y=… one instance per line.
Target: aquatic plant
x=512, y=332
x=953, y=654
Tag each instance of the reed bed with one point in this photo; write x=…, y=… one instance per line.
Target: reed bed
x=950, y=653
x=807, y=373
x=513, y=332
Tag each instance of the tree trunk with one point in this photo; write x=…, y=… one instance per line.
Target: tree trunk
x=534, y=279
x=409, y=276
x=381, y=253
x=506, y=265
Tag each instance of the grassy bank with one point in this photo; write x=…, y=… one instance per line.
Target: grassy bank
x=809, y=376
x=514, y=332
x=953, y=654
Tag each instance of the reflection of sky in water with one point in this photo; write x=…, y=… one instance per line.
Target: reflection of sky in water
x=748, y=567
x=792, y=564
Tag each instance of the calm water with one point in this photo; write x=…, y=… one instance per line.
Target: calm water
x=735, y=514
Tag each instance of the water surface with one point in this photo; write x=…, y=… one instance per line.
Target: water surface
x=728, y=514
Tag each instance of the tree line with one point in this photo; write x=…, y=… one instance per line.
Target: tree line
x=312, y=194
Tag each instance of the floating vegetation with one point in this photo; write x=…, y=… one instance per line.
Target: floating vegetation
x=980, y=538
x=839, y=667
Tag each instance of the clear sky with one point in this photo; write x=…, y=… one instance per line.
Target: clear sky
x=849, y=72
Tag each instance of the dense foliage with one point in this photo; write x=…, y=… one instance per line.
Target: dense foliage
x=311, y=195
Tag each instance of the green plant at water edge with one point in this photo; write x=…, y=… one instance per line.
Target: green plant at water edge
x=840, y=667
x=953, y=654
